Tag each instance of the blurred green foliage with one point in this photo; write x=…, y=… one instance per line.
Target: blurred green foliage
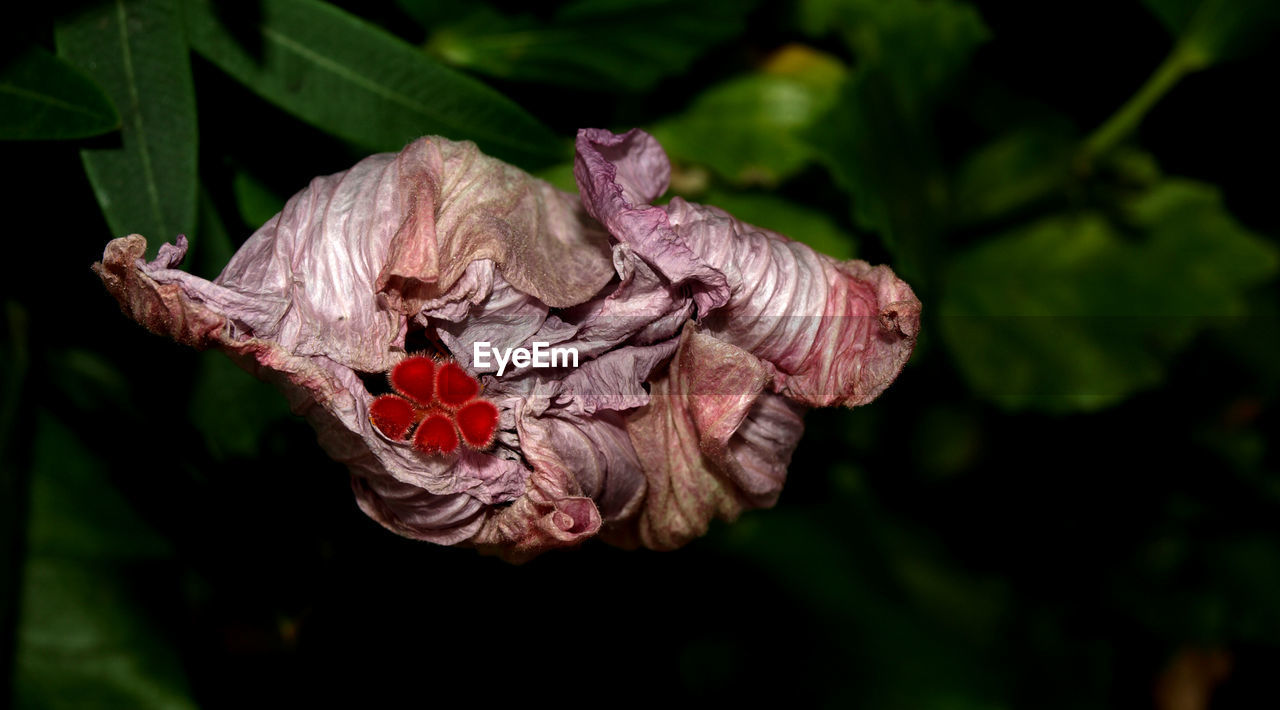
x=1069, y=496
x=1073, y=313
x=1013, y=173
x=878, y=139
x=94, y=581
x=255, y=201
x=1214, y=30
x=750, y=129
x=588, y=44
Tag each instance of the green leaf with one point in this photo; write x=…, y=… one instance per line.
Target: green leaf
x=215, y=248
x=560, y=175
x=44, y=98
x=749, y=129
x=920, y=44
x=617, y=45
x=1211, y=31
x=91, y=381
x=232, y=409
x=1198, y=245
x=1016, y=170
x=257, y=202
x=358, y=82
x=84, y=642
x=781, y=215
x=1071, y=313
x=135, y=51
x=76, y=512
x=878, y=138
x=89, y=635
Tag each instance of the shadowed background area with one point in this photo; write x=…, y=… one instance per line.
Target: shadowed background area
x=1068, y=499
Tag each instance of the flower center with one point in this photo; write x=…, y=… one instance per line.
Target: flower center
x=436, y=405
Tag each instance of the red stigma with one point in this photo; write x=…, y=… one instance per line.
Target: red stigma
x=392, y=415
x=436, y=435
x=414, y=377
x=454, y=387
x=442, y=400
x=478, y=420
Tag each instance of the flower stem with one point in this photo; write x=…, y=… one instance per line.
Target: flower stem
x=1181, y=61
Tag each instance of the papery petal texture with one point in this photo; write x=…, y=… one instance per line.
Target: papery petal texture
x=837, y=331
x=698, y=340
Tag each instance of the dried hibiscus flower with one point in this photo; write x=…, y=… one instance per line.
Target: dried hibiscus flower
x=697, y=342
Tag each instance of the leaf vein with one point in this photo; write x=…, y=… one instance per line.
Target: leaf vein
x=358, y=79
x=135, y=104
x=48, y=99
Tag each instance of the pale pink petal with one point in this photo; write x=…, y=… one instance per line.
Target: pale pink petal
x=711, y=443
x=457, y=205
x=552, y=513
x=837, y=331
x=412, y=512
x=619, y=175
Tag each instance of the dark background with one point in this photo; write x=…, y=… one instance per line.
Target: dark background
x=1102, y=534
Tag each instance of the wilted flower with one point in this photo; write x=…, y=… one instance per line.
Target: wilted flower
x=698, y=342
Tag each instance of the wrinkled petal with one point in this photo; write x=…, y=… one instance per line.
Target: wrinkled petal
x=412, y=512
x=838, y=332
x=398, y=230
x=498, y=314
x=701, y=339
x=711, y=442
x=311, y=270
x=459, y=205
x=619, y=175
x=552, y=513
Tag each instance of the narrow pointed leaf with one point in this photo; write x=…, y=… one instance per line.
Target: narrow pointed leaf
x=356, y=81
x=43, y=97
x=135, y=51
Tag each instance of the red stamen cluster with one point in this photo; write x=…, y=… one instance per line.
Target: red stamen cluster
x=441, y=400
